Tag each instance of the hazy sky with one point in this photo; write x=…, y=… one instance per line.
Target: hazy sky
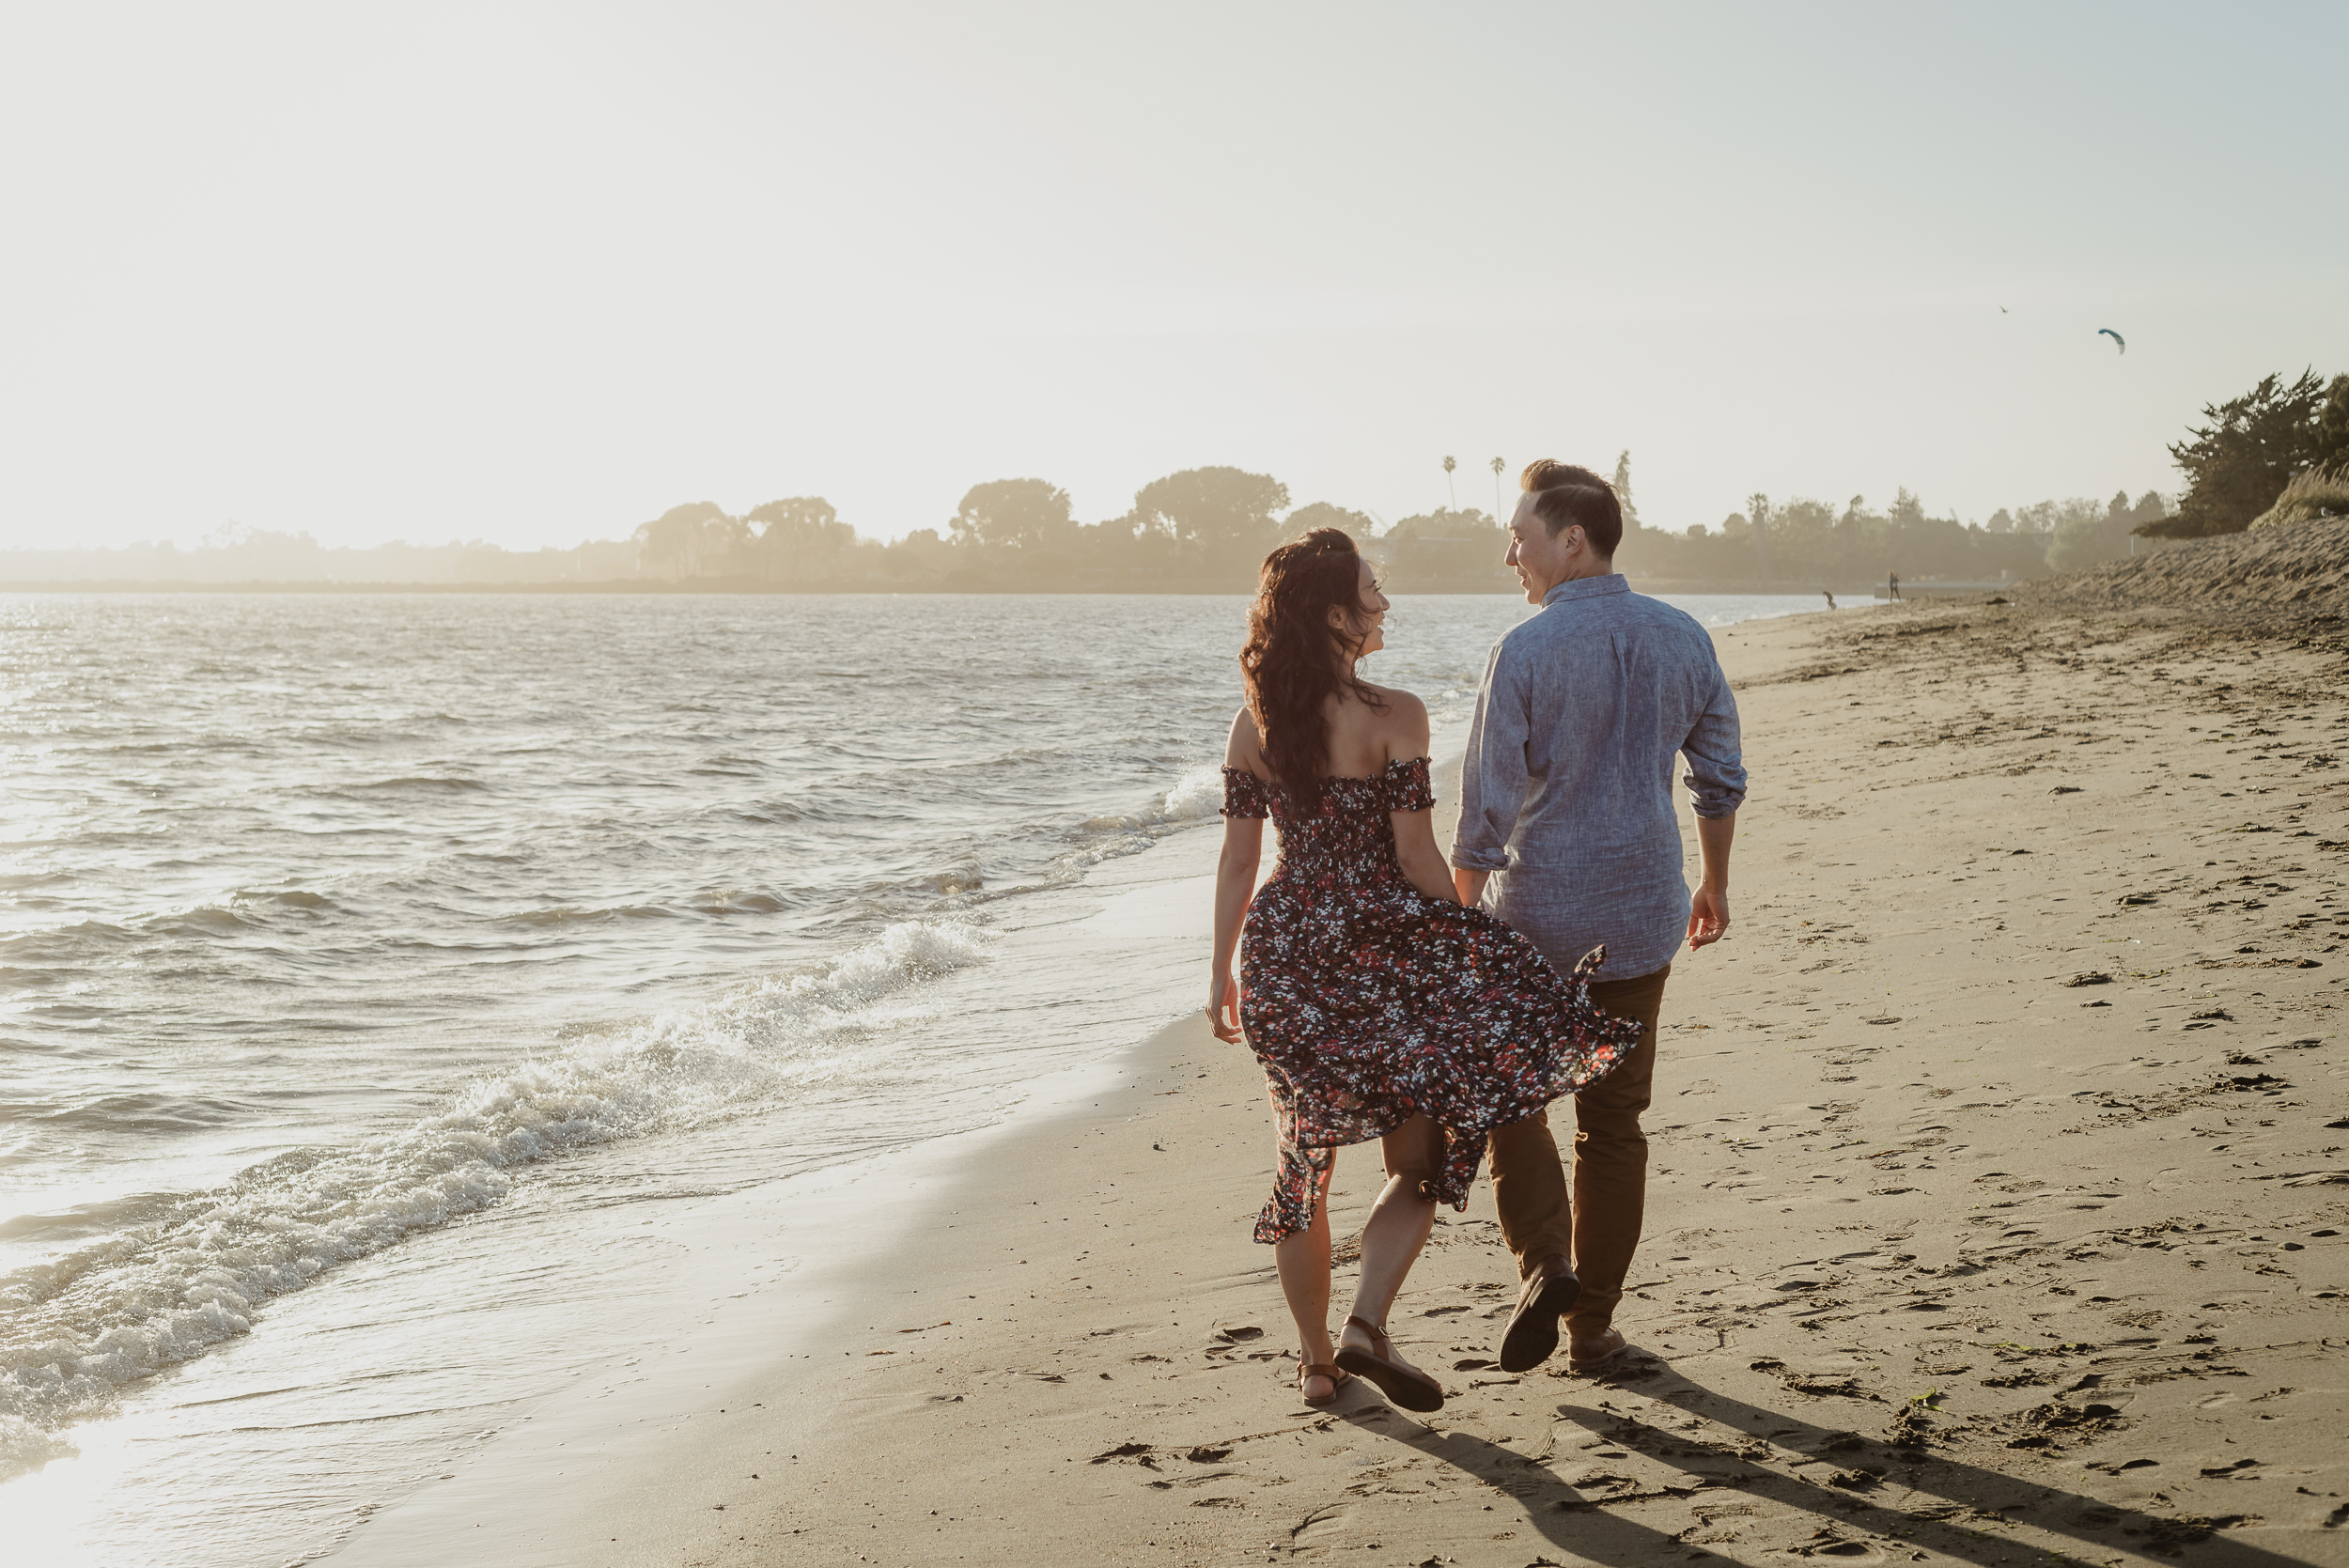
x=535, y=273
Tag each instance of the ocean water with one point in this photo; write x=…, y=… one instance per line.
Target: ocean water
x=374, y=969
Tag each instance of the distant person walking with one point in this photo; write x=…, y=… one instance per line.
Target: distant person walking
x=1378, y=1006
x=1830, y=597
x=1568, y=832
x=1892, y=583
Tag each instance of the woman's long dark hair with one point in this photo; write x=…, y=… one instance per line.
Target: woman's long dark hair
x=1294, y=662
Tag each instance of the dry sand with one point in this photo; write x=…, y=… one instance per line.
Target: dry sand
x=1997, y=1208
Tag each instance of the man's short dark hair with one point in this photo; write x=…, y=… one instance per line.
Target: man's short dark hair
x=1565, y=495
x=1548, y=473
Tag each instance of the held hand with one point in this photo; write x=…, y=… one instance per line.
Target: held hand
x=1224, y=1008
x=1708, y=916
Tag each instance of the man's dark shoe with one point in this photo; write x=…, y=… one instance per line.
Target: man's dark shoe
x=1533, y=1331
x=1584, y=1358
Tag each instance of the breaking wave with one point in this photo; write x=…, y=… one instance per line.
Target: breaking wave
x=82, y=1327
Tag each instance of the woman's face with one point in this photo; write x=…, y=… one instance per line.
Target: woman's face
x=1370, y=621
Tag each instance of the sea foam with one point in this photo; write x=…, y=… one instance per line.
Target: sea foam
x=83, y=1326
x=1196, y=795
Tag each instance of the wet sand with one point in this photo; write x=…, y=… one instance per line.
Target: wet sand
x=2000, y=1178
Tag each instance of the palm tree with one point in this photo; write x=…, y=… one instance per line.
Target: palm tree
x=1449, y=464
x=1497, y=516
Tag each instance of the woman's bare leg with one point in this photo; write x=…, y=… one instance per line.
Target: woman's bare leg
x=1398, y=1225
x=1304, y=1260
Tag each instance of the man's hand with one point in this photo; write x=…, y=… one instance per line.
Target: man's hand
x=1469, y=885
x=1708, y=916
x=1224, y=1008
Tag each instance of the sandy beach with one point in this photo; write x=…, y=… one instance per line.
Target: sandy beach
x=619, y=629
x=2001, y=1177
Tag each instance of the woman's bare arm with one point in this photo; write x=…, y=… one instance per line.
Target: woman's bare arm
x=1234, y=885
x=1422, y=862
x=1415, y=831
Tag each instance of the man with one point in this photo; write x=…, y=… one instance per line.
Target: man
x=1568, y=832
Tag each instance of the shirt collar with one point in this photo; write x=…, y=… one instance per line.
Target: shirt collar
x=1587, y=587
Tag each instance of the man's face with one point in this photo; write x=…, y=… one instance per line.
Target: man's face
x=1542, y=562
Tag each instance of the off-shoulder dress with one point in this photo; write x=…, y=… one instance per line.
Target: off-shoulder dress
x=1368, y=1001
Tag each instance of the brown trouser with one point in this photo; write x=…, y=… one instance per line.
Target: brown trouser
x=1598, y=1229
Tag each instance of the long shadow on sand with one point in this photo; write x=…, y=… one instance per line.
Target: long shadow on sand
x=1866, y=1488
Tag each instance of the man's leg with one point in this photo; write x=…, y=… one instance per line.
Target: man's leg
x=1529, y=1194
x=1611, y=1160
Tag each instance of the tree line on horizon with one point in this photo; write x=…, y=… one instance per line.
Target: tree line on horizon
x=1202, y=523
x=1203, y=529
x=1212, y=526
x=2280, y=453
x=2276, y=453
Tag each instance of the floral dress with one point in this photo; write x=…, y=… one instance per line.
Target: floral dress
x=1368, y=1001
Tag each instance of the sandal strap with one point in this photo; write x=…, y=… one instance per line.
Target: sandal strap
x=1379, y=1335
x=1323, y=1369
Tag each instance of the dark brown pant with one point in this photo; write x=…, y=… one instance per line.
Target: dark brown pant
x=1598, y=1228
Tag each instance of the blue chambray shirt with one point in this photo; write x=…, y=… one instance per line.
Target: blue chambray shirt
x=1567, y=794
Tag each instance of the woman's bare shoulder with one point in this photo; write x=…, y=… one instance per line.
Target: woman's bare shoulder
x=1403, y=724
x=1400, y=718
x=1401, y=705
x=1245, y=748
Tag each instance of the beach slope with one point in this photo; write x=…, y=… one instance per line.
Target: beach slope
x=2000, y=1183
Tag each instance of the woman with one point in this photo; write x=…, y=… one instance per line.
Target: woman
x=1379, y=1006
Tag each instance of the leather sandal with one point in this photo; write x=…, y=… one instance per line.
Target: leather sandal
x=1338, y=1377
x=1407, y=1386
x=1533, y=1331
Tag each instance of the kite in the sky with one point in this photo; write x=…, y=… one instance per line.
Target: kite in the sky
x=2121, y=342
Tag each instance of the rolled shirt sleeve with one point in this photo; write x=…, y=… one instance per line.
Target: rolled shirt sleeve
x=1493, y=774
x=1717, y=771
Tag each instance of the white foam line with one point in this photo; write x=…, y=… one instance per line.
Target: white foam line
x=85, y=1327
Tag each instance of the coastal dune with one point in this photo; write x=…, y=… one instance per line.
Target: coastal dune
x=2295, y=568
x=2001, y=1183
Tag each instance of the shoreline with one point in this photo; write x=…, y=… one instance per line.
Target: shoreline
x=765, y=1222
x=1953, y=1251
x=571, y=1481
x=649, y=1435
x=620, y=1434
